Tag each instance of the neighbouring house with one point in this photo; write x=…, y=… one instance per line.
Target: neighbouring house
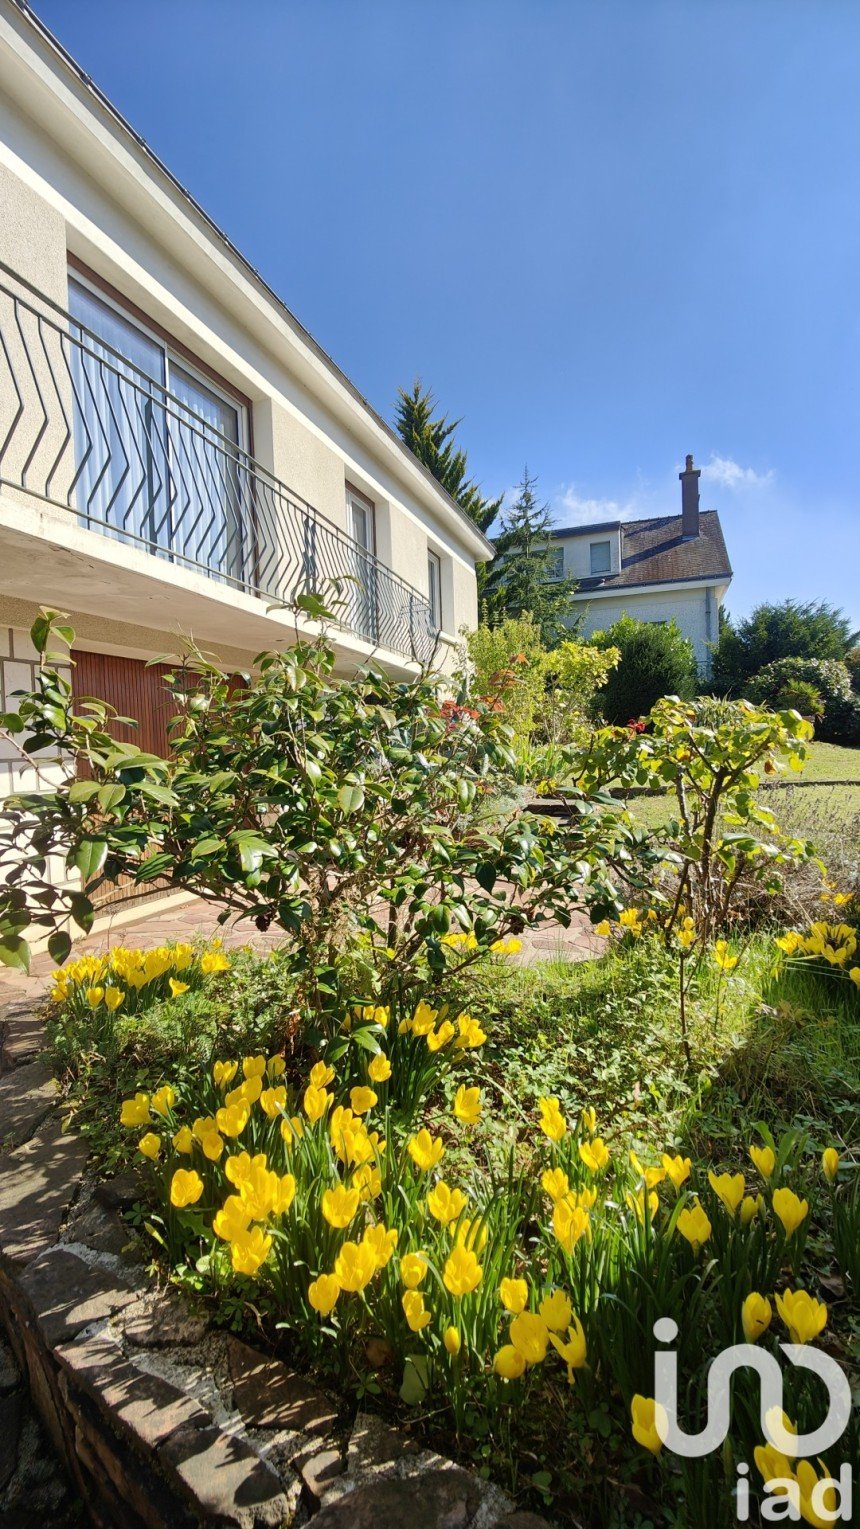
x=177, y=454
x=669, y=567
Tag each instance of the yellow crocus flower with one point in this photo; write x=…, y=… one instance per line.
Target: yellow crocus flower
x=756, y=1314
x=728, y=1188
x=677, y=1169
x=323, y=1293
x=462, y=1272
x=379, y=1070
x=425, y=1150
x=764, y=1159
x=694, y=1226
x=804, y=1317
x=573, y=1351
x=529, y=1335
x=150, y=1145
x=446, y=1204
x=412, y=1269
x=186, y=1187
x=552, y=1121
x=416, y=1314
x=467, y=1105
x=789, y=1209
x=594, y=1154
x=514, y=1295
x=646, y=1414
x=509, y=1362
x=354, y=1266
x=339, y=1206
x=830, y=1163
x=556, y=1311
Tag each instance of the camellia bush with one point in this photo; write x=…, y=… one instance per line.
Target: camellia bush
x=352, y=815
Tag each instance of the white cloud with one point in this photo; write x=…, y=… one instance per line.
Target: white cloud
x=573, y=509
x=730, y=475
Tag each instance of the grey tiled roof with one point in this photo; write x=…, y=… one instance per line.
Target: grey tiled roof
x=655, y=552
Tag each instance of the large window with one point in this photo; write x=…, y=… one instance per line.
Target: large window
x=601, y=557
x=555, y=563
x=156, y=445
x=361, y=594
x=434, y=585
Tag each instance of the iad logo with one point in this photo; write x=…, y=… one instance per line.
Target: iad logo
x=787, y=1492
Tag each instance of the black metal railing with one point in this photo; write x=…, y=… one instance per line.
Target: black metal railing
x=83, y=427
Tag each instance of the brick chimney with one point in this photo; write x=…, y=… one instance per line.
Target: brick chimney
x=690, y=500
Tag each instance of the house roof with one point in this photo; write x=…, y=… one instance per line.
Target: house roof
x=138, y=147
x=655, y=552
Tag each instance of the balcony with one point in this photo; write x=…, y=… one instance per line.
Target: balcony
x=84, y=428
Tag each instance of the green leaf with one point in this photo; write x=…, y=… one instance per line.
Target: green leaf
x=366, y=1039
x=89, y=857
x=350, y=798
x=15, y=952
x=83, y=790
x=110, y=797
x=59, y=945
x=416, y=1379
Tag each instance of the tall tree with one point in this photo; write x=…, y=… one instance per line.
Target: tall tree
x=525, y=573
x=432, y=441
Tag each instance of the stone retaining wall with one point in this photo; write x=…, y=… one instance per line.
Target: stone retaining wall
x=162, y=1421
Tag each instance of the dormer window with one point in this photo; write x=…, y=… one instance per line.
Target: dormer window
x=601, y=557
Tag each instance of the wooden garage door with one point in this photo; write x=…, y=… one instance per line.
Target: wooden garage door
x=135, y=690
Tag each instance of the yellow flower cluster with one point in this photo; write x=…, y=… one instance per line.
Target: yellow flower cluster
x=127, y=979
x=834, y=943
x=462, y=1034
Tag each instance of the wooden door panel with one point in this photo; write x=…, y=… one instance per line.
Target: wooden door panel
x=135, y=690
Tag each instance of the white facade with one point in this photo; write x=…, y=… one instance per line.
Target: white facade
x=694, y=608
x=87, y=208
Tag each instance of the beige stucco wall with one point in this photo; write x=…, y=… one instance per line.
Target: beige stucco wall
x=694, y=610
x=577, y=552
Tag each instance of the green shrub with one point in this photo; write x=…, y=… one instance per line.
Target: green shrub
x=655, y=660
x=777, y=685
x=351, y=815
x=507, y=666
x=852, y=664
x=793, y=629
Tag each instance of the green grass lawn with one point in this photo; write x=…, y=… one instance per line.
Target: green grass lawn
x=819, y=810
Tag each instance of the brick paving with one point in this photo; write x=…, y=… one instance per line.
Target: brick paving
x=156, y=924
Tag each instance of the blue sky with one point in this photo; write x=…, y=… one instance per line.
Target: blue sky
x=607, y=233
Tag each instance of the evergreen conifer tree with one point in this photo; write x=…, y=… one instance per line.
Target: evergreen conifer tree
x=432, y=441
x=524, y=574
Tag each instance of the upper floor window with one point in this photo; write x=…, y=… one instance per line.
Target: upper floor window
x=555, y=563
x=601, y=557
x=360, y=595
x=156, y=445
x=434, y=585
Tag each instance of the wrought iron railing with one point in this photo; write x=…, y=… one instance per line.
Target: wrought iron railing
x=81, y=426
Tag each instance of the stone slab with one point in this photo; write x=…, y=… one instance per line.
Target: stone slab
x=22, y=1034
x=149, y=1408
x=269, y=1395
x=26, y=1096
x=224, y=1479
x=66, y=1294
x=37, y=1184
x=447, y=1499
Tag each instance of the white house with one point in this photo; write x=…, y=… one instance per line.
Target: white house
x=177, y=453
x=669, y=567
